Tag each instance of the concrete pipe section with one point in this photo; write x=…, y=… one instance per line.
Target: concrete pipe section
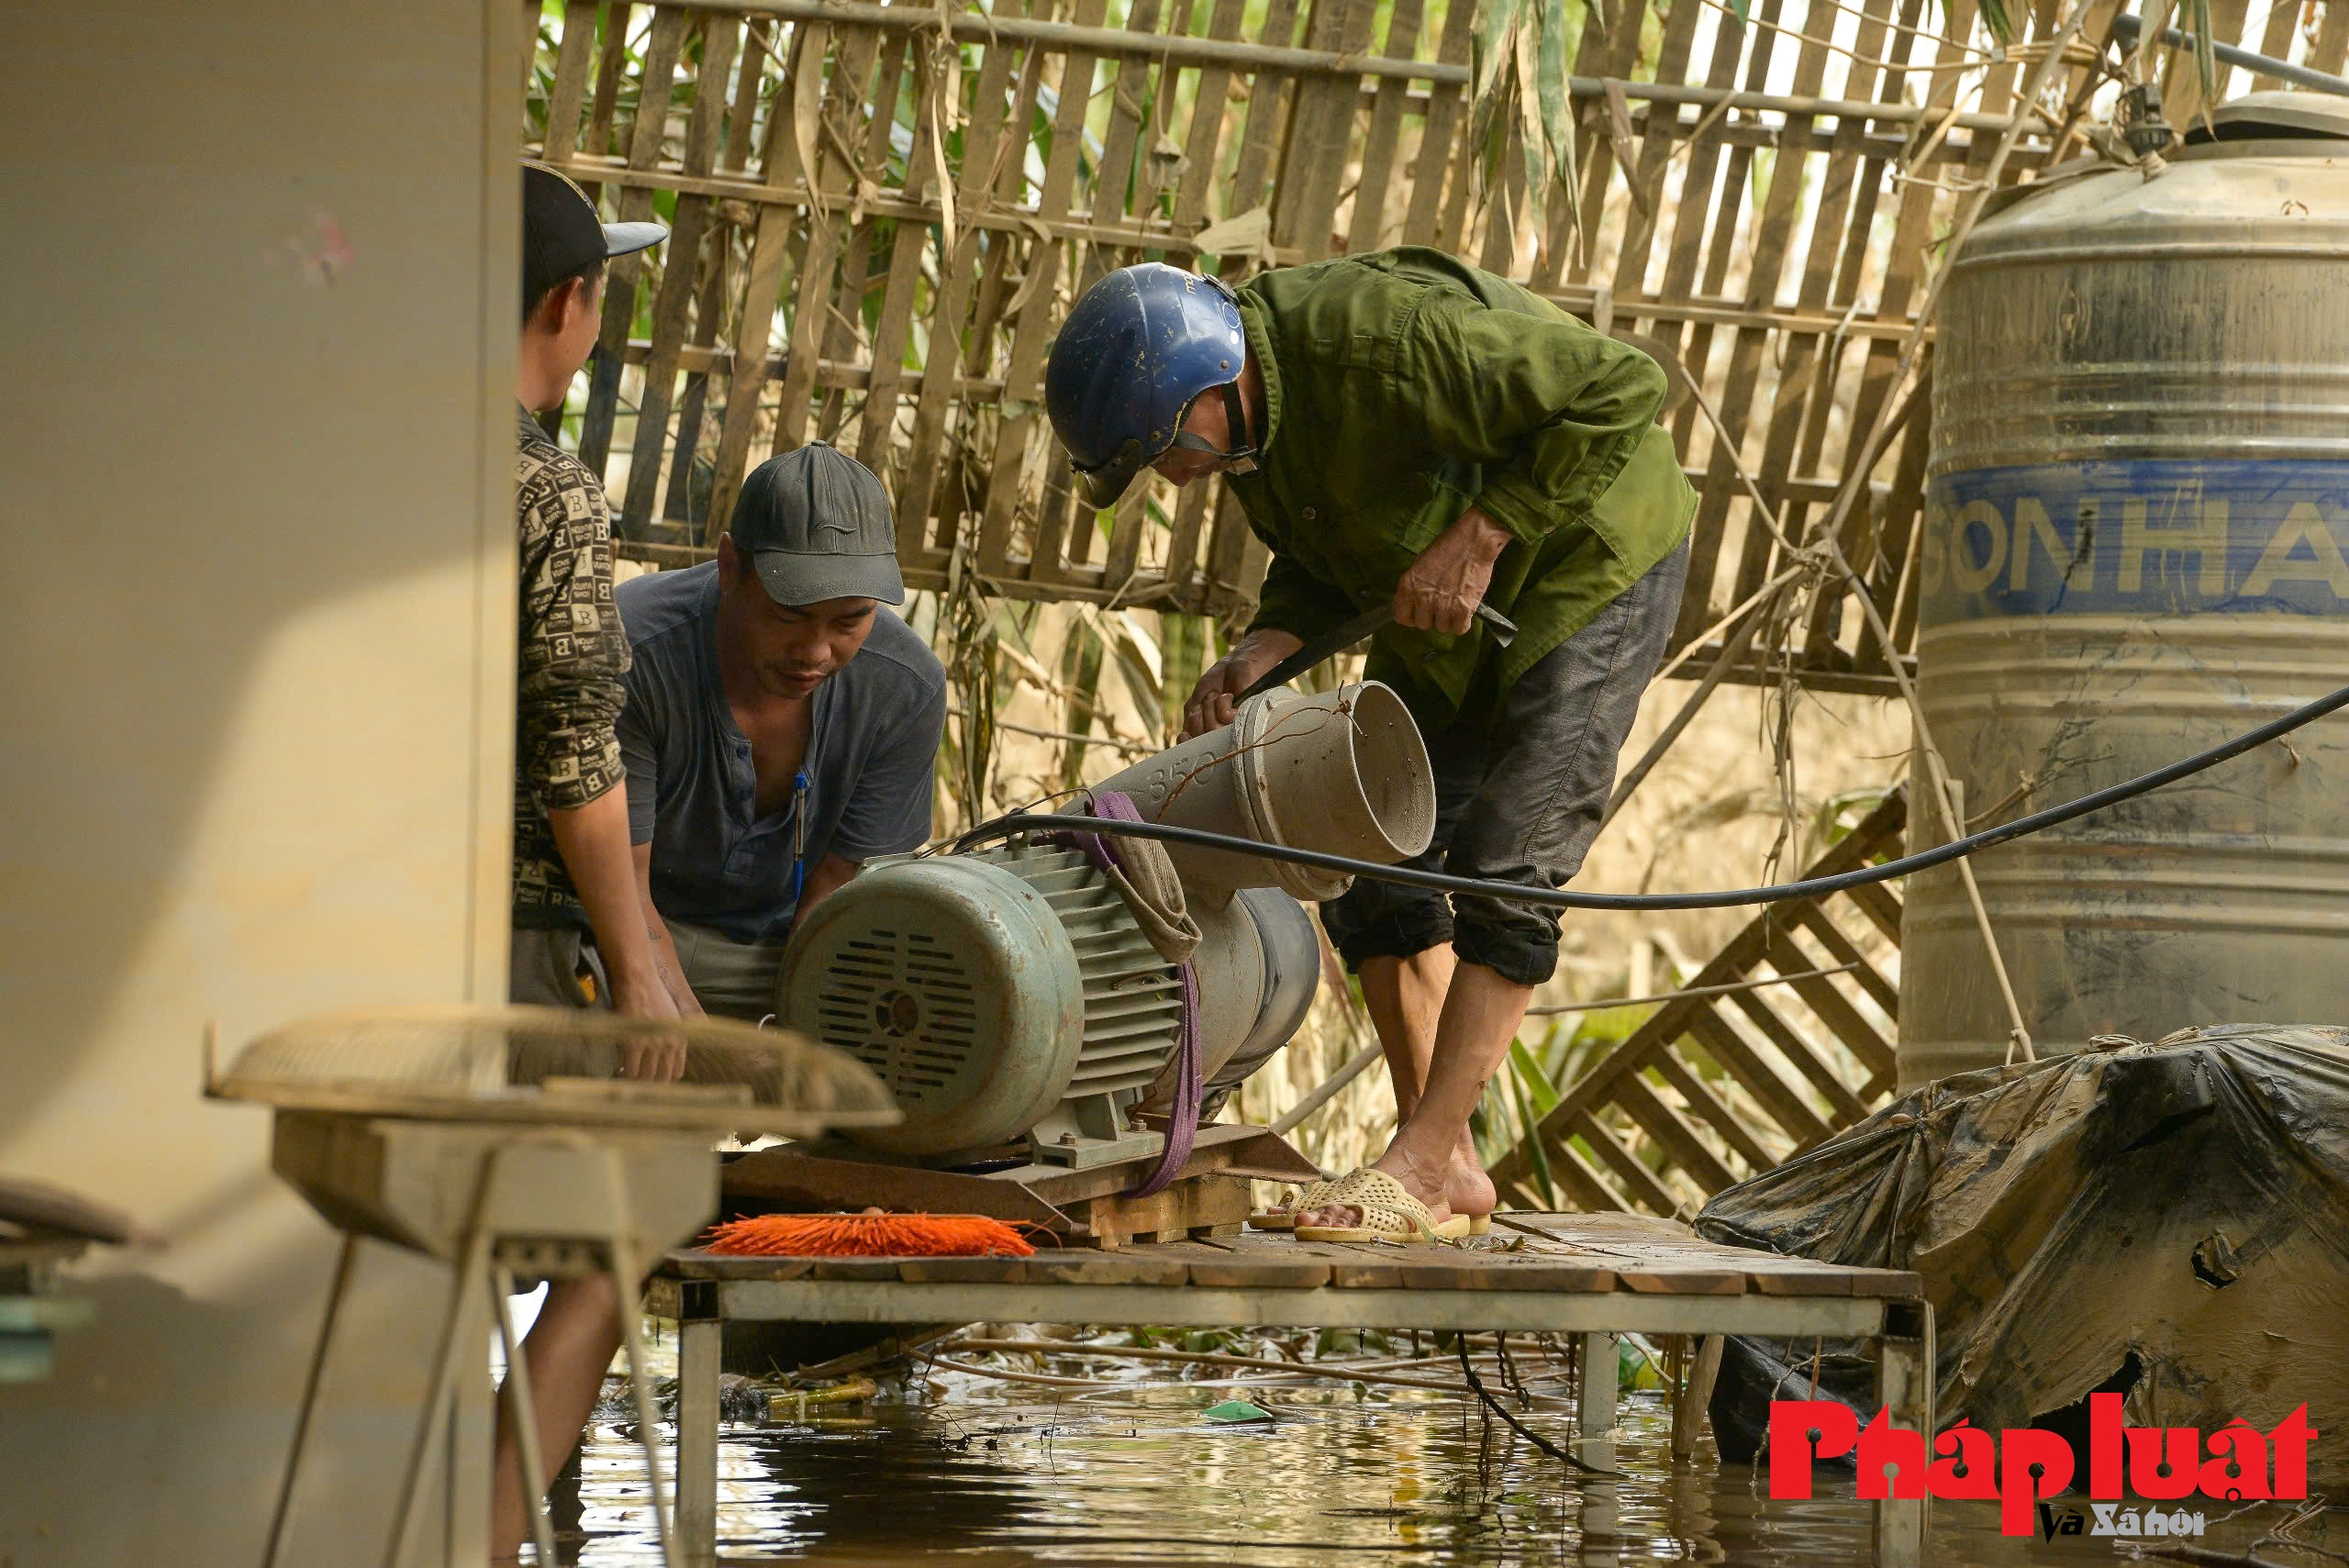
x=1341, y=771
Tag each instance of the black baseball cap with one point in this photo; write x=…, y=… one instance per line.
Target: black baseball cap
x=561, y=234
x=817, y=525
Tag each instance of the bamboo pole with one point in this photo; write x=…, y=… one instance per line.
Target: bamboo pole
x=1696, y=643
x=1360, y=1060
x=1580, y=298
x=1376, y=1371
x=1327, y=1090
x=1731, y=651
x=1937, y=771
x=1131, y=748
x=1310, y=62
x=1730, y=989
x=1305, y=1370
x=1829, y=532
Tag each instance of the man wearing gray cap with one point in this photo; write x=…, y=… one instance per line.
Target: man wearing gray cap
x=782, y=725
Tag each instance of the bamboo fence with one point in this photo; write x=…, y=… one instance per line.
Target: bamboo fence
x=880, y=214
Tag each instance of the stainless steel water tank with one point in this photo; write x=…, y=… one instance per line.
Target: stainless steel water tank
x=2134, y=546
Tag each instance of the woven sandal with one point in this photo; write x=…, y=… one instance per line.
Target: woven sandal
x=1389, y=1213
x=1285, y=1217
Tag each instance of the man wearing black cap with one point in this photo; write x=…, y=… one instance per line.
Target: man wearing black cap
x=579, y=933
x=579, y=936
x=782, y=725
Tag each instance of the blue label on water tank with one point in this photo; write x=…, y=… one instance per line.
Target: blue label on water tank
x=2168, y=537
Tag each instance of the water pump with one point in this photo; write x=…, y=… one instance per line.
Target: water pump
x=1014, y=1005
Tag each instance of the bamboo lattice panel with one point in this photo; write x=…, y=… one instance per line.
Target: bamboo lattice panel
x=851, y=261
x=1721, y=1088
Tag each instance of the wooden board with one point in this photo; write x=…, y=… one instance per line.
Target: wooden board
x=1142, y=1265
x=1202, y=1204
x=1257, y=1259
x=1591, y=1254
x=1665, y=1255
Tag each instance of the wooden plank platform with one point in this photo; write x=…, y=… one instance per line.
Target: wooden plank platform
x=1597, y=1275
x=1581, y=1252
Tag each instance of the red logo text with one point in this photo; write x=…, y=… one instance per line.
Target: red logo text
x=2019, y=1467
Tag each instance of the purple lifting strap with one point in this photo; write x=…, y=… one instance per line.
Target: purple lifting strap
x=1183, y=1119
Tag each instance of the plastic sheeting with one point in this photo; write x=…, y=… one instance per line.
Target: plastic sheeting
x=2168, y=1221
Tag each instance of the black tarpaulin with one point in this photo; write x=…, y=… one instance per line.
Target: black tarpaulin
x=2169, y=1220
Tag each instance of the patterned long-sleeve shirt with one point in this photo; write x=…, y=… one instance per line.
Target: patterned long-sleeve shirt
x=574, y=656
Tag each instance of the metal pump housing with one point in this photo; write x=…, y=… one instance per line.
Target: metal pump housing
x=1012, y=1002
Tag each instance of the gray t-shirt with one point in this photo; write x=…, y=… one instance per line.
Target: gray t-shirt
x=872, y=757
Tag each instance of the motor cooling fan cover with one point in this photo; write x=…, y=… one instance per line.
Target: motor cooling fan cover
x=953, y=981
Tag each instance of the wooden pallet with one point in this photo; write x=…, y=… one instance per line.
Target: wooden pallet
x=1083, y=1208
x=1806, y=1059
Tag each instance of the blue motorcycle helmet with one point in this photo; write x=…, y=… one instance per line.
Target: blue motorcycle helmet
x=1137, y=350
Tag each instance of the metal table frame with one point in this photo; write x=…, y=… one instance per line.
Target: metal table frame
x=1902, y=1329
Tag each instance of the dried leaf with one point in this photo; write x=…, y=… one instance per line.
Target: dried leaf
x=1183, y=657
x=1043, y=272
x=1557, y=110
x=1250, y=234
x=1494, y=29
x=1618, y=133
x=807, y=103
x=2205, y=59
x=1487, y=101
x=1533, y=141
x=941, y=80
x=1167, y=153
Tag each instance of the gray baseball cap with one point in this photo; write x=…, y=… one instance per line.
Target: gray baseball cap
x=817, y=525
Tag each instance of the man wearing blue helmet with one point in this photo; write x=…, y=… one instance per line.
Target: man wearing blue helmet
x=1403, y=429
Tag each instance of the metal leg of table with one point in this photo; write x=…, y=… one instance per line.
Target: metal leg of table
x=1905, y=1389
x=698, y=1338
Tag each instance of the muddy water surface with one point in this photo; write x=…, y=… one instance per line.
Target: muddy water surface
x=985, y=1473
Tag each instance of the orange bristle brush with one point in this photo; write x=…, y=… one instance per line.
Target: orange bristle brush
x=869, y=1235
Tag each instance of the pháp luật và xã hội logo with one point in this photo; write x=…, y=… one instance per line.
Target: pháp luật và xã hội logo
x=2020, y=1466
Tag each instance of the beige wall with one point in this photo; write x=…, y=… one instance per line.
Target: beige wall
x=255, y=617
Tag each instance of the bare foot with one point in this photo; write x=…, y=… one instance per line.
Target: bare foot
x=1466, y=1188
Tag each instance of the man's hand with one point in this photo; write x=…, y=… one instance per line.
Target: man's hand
x=593, y=839
x=1218, y=692
x=663, y=947
x=651, y=1056
x=673, y=972
x=1445, y=585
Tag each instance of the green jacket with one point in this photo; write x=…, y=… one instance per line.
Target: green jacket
x=1401, y=386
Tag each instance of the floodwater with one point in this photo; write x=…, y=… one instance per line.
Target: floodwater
x=990, y=1474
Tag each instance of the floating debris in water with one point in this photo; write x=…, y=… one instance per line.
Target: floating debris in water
x=1236, y=1412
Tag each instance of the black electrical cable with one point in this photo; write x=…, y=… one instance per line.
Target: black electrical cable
x=1476, y=1386
x=1562, y=898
